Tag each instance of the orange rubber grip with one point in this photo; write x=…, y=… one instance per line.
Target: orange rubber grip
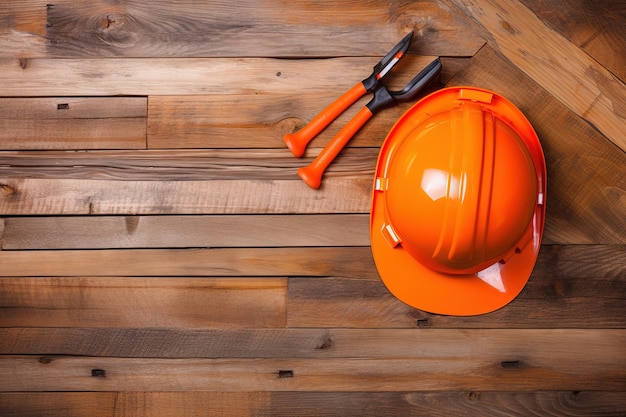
x=297, y=142
x=312, y=174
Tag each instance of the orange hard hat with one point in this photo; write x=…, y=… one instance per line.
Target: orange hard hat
x=458, y=205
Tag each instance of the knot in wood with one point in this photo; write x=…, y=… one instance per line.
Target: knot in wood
x=111, y=20
x=6, y=189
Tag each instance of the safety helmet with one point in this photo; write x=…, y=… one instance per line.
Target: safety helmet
x=458, y=204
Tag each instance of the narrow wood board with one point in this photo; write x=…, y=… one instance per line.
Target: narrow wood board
x=181, y=164
x=73, y=123
x=72, y=197
x=25, y=77
x=313, y=404
x=37, y=108
x=246, y=28
x=74, y=134
x=146, y=404
x=143, y=302
x=565, y=71
x=265, y=262
x=583, y=370
x=106, y=232
x=510, y=344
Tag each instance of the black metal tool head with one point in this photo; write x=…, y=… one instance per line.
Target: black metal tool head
x=384, y=98
x=384, y=65
x=415, y=86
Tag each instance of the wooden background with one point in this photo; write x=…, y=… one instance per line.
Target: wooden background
x=159, y=255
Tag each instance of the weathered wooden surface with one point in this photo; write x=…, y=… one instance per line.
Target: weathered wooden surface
x=73, y=123
x=317, y=404
x=159, y=256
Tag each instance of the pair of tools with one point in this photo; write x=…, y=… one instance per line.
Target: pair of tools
x=383, y=98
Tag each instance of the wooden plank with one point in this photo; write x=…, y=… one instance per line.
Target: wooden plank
x=293, y=343
x=73, y=123
x=73, y=108
x=147, y=404
x=312, y=404
x=443, y=404
x=565, y=71
x=181, y=76
x=179, y=165
x=595, y=27
x=266, y=262
x=586, y=175
x=591, y=367
x=73, y=134
x=65, y=197
x=144, y=302
x=96, y=232
x=578, y=286
x=246, y=28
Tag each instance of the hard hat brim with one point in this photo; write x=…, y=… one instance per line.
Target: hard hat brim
x=461, y=295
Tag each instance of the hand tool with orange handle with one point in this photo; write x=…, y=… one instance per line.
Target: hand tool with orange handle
x=297, y=142
x=383, y=98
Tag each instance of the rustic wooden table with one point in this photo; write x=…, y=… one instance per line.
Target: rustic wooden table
x=160, y=257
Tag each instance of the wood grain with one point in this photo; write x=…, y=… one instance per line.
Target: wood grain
x=181, y=76
x=169, y=165
x=209, y=122
x=566, y=72
x=144, y=302
x=596, y=27
x=74, y=134
x=73, y=197
x=213, y=28
x=266, y=262
x=73, y=123
x=538, y=370
x=37, y=108
x=313, y=404
x=158, y=404
x=300, y=343
x=107, y=232
x=571, y=287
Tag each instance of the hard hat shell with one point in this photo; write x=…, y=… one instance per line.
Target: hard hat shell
x=458, y=205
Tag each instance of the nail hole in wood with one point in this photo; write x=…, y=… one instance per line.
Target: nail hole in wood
x=285, y=374
x=426, y=323
x=63, y=106
x=99, y=373
x=511, y=364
